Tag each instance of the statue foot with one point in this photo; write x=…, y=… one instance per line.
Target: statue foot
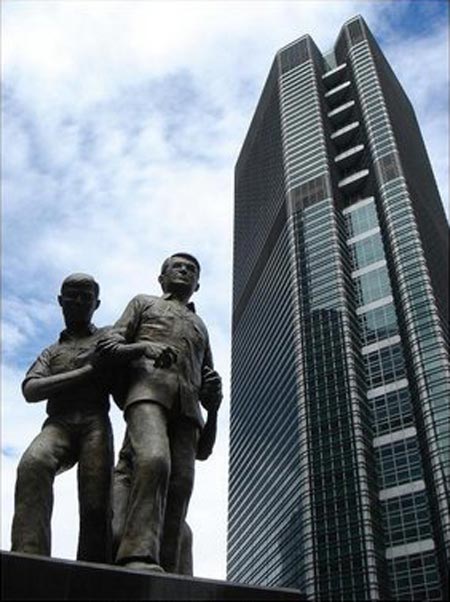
x=138, y=565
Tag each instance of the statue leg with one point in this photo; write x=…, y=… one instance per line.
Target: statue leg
x=121, y=492
x=149, y=442
x=49, y=453
x=185, y=563
x=95, y=466
x=183, y=435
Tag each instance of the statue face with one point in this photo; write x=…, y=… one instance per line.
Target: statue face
x=79, y=302
x=180, y=275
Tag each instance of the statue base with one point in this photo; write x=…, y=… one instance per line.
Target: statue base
x=29, y=577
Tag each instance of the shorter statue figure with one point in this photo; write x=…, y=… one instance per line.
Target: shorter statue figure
x=77, y=429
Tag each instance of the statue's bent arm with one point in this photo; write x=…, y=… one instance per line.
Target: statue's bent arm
x=39, y=388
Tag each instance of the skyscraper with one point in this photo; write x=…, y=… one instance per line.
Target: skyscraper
x=340, y=443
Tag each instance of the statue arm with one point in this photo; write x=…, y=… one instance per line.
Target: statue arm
x=38, y=388
x=40, y=383
x=211, y=389
x=127, y=325
x=113, y=349
x=208, y=359
x=210, y=397
x=208, y=436
x=120, y=346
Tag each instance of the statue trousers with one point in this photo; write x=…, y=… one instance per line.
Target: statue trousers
x=153, y=484
x=63, y=441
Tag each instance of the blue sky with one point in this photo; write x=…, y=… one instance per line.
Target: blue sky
x=121, y=125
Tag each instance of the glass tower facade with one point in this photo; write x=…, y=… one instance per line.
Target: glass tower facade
x=339, y=443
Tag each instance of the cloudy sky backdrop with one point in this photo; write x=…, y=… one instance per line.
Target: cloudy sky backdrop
x=121, y=125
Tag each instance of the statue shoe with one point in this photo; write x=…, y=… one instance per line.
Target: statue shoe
x=138, y=565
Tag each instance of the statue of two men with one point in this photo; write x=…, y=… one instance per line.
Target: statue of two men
x=161, y=348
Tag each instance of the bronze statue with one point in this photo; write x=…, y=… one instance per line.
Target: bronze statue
x=164, y=421
x=77, y=429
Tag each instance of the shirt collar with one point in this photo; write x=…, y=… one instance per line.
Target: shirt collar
x=190, y=306
x=66, y=335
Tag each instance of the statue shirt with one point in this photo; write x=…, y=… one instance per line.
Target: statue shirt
x=166, y=321
x=70, y=353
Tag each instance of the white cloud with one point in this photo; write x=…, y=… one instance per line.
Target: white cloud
x=123, y=121
x=24, y=321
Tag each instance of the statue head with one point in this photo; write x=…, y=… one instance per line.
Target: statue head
x=79, y=298
x=180, y=275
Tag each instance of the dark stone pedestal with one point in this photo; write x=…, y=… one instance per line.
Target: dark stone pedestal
x=28, y=577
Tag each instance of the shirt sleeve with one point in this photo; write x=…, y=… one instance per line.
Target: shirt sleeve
x=208, y=357
x=128, y=322
x=40, y=367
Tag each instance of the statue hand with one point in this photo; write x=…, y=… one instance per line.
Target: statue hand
x=108, y=342
x=207, y=437
x=163, y=356
x=211, y=390
x=106, y=349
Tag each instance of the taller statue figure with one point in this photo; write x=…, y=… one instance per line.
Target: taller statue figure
x=162, y=410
